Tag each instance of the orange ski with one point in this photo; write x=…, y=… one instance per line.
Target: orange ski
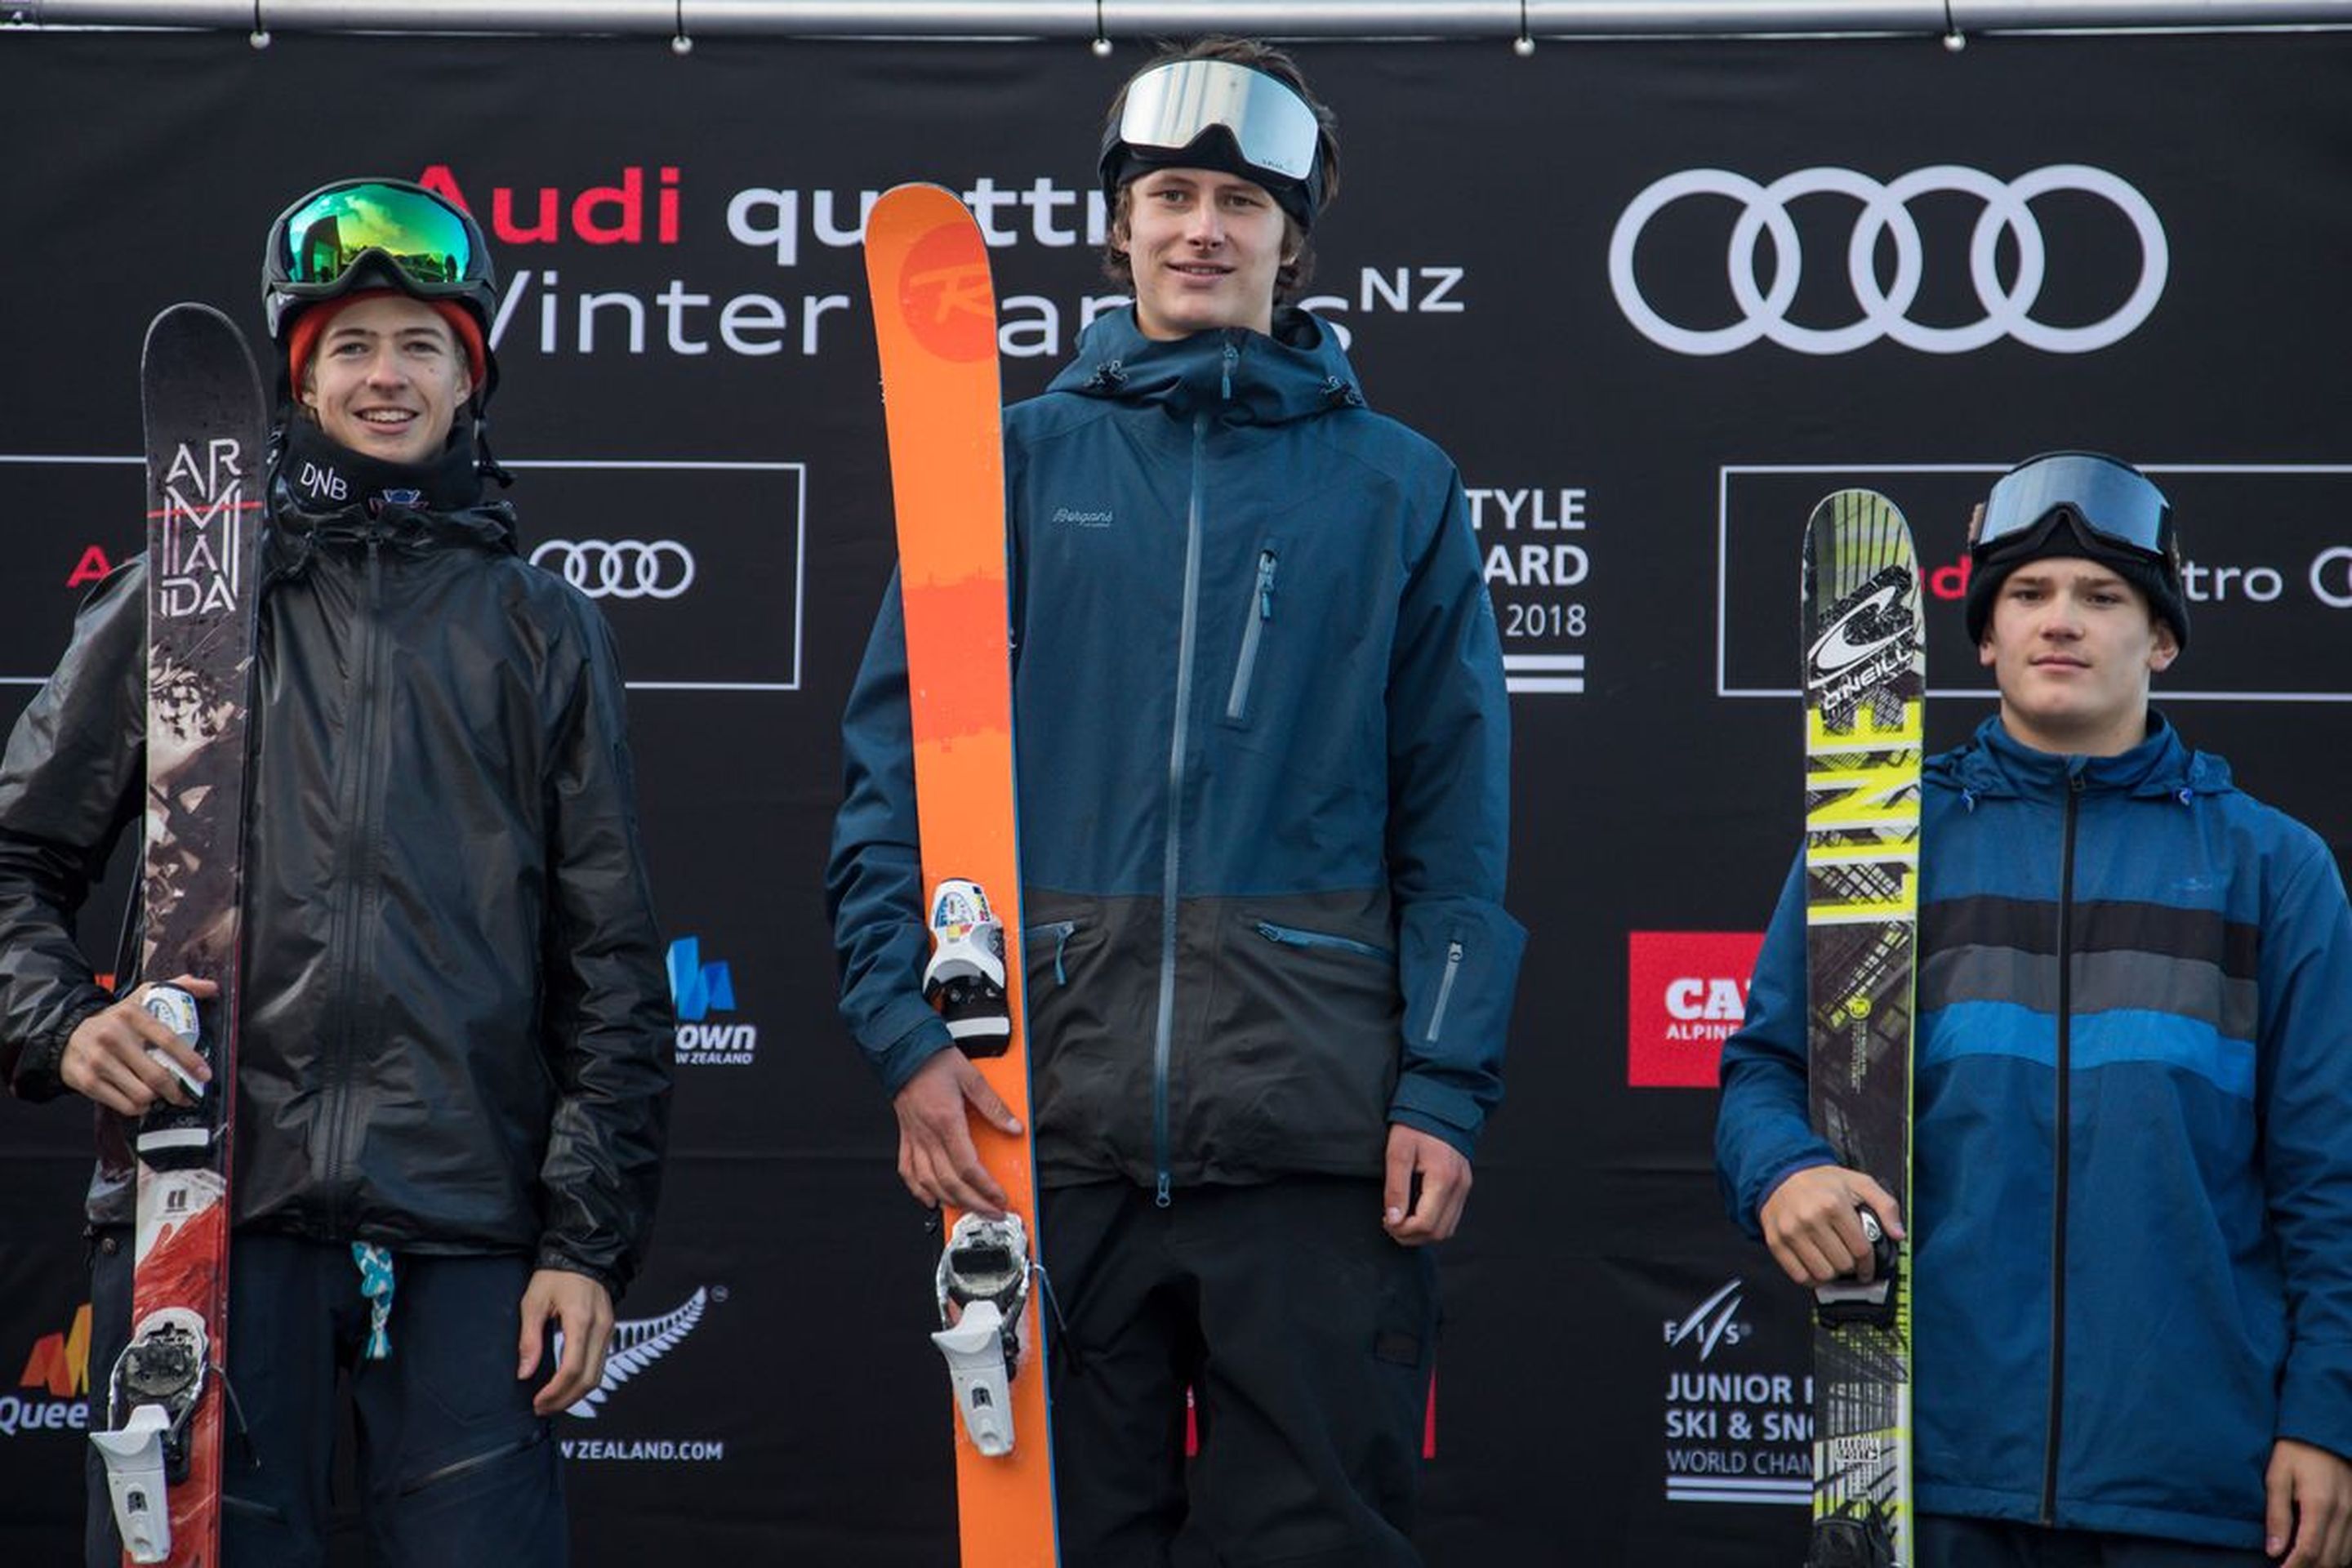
x=935, y=324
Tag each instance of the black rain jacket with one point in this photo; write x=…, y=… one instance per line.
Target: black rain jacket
x=456, y=1029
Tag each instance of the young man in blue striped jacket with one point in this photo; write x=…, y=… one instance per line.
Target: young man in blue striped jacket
x=2132, y=1185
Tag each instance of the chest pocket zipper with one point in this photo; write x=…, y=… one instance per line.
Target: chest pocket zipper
x=1260, y=612
x=1291, y=936
x=1060, y=931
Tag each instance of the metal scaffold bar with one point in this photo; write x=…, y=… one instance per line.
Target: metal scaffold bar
x=1128, y=19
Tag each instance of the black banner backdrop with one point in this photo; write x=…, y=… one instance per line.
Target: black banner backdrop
x=1654, y=299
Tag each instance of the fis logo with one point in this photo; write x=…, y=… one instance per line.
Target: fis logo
x=1685, y=992
x=698, y=990
x=1714, y=1321
x=55, y=1383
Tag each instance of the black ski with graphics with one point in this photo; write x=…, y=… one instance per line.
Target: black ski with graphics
x=207, y=440
x=1865, y=686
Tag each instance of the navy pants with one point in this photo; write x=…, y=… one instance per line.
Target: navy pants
x=1950, y=1543
x=452, y=1466
x=1307, y=1336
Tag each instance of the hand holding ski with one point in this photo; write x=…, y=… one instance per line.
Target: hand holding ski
x=1812, y=1224
x=939, y=1159
x=127, y=1060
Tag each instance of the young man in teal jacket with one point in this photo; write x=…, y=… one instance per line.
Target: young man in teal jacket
x=1264, y=756
x=2132, y=1185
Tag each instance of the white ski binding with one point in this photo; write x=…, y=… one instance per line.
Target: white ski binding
x=984, y=1272
x=154, y=1387
x=965, y=978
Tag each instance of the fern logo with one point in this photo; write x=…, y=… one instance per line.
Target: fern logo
x=637, y=1343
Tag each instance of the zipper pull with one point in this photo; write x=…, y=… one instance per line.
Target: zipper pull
x=1232, y=357
x=1160, y=1199
x=1266, y=585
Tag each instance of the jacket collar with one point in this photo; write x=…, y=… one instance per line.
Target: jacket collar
x=1235, y=375
x=1995, y=764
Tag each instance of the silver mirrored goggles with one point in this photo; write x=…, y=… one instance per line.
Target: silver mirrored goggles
x=1170, y=108
x=2116, y=503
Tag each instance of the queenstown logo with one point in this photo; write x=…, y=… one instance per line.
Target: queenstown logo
x=698, y=990
x=1714, y=1321
x=1077, y=517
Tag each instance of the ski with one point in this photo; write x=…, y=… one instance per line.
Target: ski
x=207, y=440
x=935, y=326
x=1866, y=685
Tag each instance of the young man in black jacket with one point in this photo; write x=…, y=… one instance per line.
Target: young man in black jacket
x=453, y=1065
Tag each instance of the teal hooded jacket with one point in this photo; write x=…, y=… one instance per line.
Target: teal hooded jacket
x=1263, y=759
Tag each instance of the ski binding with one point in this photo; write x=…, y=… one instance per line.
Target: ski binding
x=1853, y=1301
x=154, y=1388
x=965, y=978
x=1851, y=1541
x=984, y=1273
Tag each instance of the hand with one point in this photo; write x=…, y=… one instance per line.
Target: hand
x=113, y=1055
x=936, y=1158
x=2310, y=1505
x=1417, y=1219
x=582, y=1309
x=1810, y=1224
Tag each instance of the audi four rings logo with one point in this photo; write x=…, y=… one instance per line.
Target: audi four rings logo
x=620, y=568
x=1886, y=210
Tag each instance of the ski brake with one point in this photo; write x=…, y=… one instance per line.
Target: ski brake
x=984, y=1273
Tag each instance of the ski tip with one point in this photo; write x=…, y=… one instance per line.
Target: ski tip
x=1855, y=507
x=191, y=328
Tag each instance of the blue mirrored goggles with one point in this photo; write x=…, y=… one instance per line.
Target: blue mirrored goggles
x=2117, y=504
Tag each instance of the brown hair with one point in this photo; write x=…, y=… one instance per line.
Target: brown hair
x=1292, y=279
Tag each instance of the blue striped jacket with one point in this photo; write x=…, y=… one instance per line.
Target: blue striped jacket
x=2132, y=1189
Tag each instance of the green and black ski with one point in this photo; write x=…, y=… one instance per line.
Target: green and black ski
x=1865, y=686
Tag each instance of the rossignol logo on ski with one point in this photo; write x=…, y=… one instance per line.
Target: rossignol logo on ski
x=946, y=297
x=1869, y=640
x=199, y=565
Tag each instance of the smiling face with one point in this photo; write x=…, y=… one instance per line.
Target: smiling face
x=387, y=378
x=2072, y=647
x=1205, y=247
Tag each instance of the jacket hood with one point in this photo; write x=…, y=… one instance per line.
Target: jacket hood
x=1995, y=764
x=1237, y=375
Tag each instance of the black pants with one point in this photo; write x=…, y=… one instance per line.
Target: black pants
x=1307, y=1336
x=1950, y=1542
x=455, y=1469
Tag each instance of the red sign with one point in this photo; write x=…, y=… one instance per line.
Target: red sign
x=1685, y=991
